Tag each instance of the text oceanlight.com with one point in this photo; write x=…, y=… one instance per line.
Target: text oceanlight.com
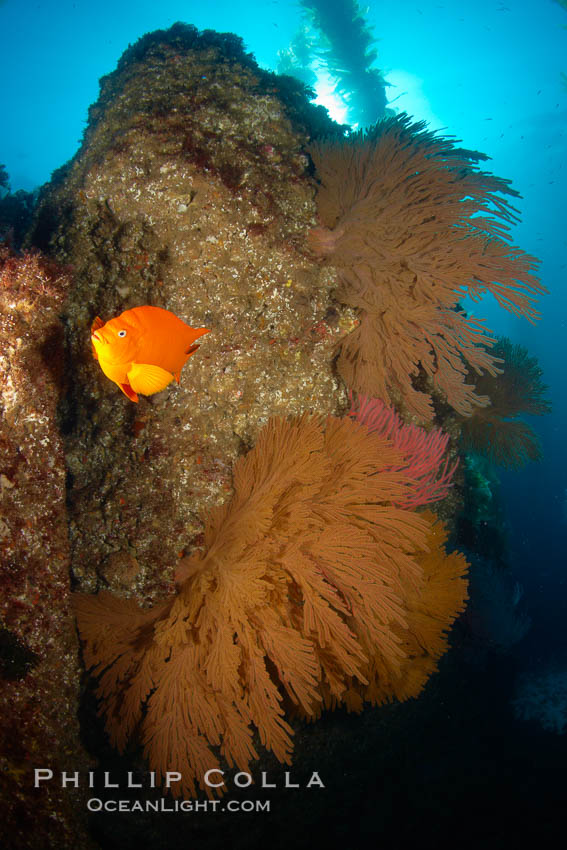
x=95, y=804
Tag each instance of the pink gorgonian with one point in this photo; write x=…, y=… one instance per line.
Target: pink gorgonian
x=424, y=451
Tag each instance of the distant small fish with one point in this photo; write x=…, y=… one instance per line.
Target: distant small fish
x=143, y=349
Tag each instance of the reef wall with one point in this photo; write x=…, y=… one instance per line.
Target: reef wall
x=39, y=664
x=191, y=191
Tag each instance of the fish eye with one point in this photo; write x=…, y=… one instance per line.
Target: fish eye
x=121, y=333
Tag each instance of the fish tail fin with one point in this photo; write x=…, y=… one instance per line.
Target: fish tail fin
x=195, y=333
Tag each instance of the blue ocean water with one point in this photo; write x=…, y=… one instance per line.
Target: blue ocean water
x=488, y=72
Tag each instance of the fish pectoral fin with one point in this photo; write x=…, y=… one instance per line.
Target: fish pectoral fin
x=191, y=350
x=128, y=391
x=147, y=379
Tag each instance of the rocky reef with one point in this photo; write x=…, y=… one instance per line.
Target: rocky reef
x=191, y=191
x=39, y=664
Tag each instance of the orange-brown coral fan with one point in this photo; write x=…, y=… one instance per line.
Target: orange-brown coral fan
x=412, y=226
x=431, y=605
x=311, y=585
x=496, y=431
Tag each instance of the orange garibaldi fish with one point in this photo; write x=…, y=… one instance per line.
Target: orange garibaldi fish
x=143, y=349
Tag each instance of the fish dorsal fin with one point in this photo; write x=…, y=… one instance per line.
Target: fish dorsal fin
x=147, y=379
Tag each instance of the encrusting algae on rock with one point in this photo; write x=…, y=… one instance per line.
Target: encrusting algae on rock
x=191, y=192
x=39, y=664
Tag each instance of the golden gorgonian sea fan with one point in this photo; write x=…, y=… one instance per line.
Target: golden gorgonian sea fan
x=313, y=589
x=497, y=431
x=413, y=226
